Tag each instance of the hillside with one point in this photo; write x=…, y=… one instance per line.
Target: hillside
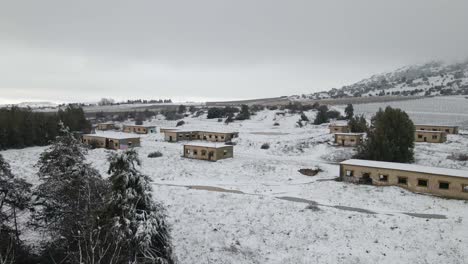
x=431, y=79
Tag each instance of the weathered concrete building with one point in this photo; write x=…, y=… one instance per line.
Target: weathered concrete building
x=106, y=126
x=421, y=179
x=208, y=151
x=348, y=139
x=164, y=130
x=339, y=128
x=181, y=135
x=139, y=129
x=430, y=136
x=446, y=129
x=111, y=140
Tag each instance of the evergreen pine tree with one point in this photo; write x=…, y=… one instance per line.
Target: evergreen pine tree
x=321, y=116
x=390, y=138
x=244, y=113
x=358, y=124
x=349, y=111
x=136, y=220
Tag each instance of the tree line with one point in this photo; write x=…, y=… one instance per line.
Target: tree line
x=85, y=218
x=21, y=127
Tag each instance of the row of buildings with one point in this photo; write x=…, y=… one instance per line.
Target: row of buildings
x=422, y=133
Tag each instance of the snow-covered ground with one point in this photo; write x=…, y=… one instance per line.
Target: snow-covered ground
x=257, y=207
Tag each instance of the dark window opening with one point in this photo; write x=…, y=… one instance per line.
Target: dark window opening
x=402, y=180
x=422, y=182
x=444, y=185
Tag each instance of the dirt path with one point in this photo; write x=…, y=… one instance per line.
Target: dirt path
x=306, y=201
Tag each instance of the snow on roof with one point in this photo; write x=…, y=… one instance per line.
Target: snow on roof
x=407, y=167
x=430, y=131
x=432, y=125
x=350, y=134
x=133, y=125
x=106, y=123
x=339, y=125
x=112, y=134
x=208, y=144
x=202, y=131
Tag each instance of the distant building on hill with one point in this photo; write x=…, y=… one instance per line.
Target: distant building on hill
x=446, y=129
x=186, y=135
x=139, y=129
x=115, y=140
x=430, y=136
x=208, y=151
x=348, y=139
x=339, y=128
x=442, y=182
x=106, y=126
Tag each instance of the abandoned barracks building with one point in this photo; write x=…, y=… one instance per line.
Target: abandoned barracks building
x=446, y=129
x=337, y=128
x=442, y=182
x=180, y=135
x=111, y=140
x=430, y=136
x=106, y=126
x=208, y=151
x=139, y=129
x=348, y=139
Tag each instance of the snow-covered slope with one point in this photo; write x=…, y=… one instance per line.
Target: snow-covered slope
x=429, y=79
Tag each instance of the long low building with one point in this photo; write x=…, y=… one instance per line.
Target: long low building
x=139, y=129
x=338, y=128
x=442, y=182
x=106, y=126
x=430, y=136
x=208, y=151
x=111, y=140
x=186, y=135
x=348, y=139
x=446, y=129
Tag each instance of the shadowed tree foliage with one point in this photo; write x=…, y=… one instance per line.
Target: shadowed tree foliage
x=349, y=111
x=321, y=116
x=358, y=124
x=390, y=137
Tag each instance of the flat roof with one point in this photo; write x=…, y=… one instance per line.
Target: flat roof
x=139, y=125
x=106, y=123
x=208, y=145
x=406, y=167
x=111, y=134
x=430, y=131
x=340, y=125
x=350, y=134
x=435, y=125
x=201, y=131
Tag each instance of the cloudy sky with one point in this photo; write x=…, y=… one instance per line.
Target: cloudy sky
x=68, y=51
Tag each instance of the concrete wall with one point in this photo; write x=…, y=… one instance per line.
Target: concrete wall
x=208, y=153
x=105, y=126
x=338, y=129
x=348, y=140
x=446, y=129
x=174, y=136
x=422, y=136
x=139, y=129
x=456, y=187
x=110, y=143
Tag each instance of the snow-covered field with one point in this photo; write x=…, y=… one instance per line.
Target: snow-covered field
x=257, y=207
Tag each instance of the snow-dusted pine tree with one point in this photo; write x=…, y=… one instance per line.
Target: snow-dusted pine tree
x=70, y=195
x=137, y=221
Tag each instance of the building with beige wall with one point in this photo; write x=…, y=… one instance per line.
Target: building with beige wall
x=442, y=182
x=164, y=130
x=106, y=126
x=186, y=135
x=208, y=151
x=337, y=128
x=348, y=139
x=430, y=136
x=446, y=129
x=139, y=129
x=111, y=140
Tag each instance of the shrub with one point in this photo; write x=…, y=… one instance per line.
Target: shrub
x=304, y=117
x=244, y=113
x=276, y=124
x=172, y=115
x=180, y=123
x=265, y=146
x=155, y=154
x=349, y=111
x=299, y=123
x=358, y=124
x=229, y=119
x=333, y=114
x=322, y=116
x=458, y=156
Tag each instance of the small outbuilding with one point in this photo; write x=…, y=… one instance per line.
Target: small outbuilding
x=348, y=139
x=339, y=128
x=208, y=151
x=421, y=179
x=111, y=140
x=446, y=129
x=430, y=136
x=139, y=129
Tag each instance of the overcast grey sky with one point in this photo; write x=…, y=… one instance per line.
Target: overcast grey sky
x=66, y=51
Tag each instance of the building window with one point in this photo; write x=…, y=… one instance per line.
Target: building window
x=419, y=136
x=210, y=136
x=188, y=151
x=222, y=137
x=216, y=137
x=225, y=152
x=464, y=187
x=402, y=180
x=434, y=136
x=203, y=152
x=447, y=130
x=349, y=173
x=352, y=140
x=422, y=182
x=444, y=185
x=195, y=152
x=383, y=178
